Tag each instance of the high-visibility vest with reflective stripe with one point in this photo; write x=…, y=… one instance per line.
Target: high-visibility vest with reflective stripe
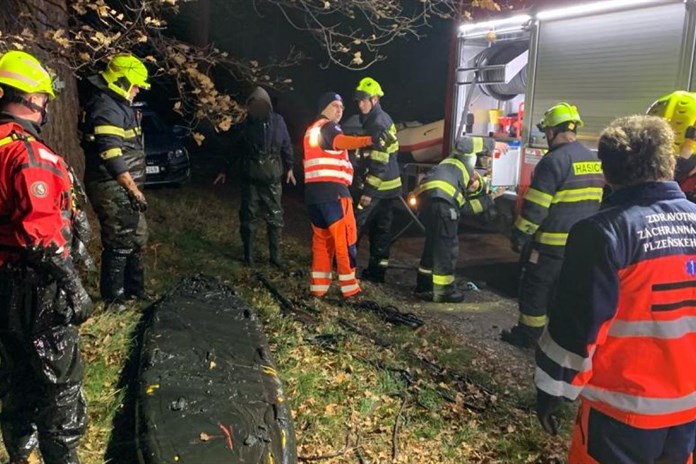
x=629, y=346
x=324, y=165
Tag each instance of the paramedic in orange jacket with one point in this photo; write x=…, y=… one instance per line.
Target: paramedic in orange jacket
x=328, y=174
x=621, y=332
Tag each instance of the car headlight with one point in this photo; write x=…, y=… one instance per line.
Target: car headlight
x=176, y=153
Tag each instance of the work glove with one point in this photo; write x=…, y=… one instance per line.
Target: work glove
x=383, y=139
x=690, y=133
x=51, y=260
x=79, y=301
x=546, y=406
x=137, y=200
x=518, y=240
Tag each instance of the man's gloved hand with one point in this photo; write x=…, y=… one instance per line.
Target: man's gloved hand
x=78, y=299
x=545, y=408
x=690, y=133
x=137, y=200
x=519, y=239
x=383, y=139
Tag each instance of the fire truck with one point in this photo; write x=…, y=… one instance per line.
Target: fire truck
x=609, y=58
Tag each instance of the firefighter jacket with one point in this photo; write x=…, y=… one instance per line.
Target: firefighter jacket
x=450, y=179
x=567, y=186
x=382, y=178
x=621, y=329
x=323, y=165
x=35, y=192
x=111, y=137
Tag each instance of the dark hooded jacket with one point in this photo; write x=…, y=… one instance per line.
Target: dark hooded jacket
x=262, y=150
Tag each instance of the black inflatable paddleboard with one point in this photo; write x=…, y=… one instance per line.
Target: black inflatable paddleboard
x=208, y=390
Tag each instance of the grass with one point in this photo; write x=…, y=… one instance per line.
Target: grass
x=342, y=403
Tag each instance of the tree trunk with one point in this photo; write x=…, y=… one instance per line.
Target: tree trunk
x=61, y=131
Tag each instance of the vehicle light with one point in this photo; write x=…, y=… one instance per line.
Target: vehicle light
x=590, y=8
x=511, y=24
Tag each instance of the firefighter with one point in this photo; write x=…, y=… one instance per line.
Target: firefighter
x=567, y=185
x=448, y=191
x=114, y=176
x=679, y=110
x=263, y=154
x=328, y=174
x=381, y=182
x=620, y=333
x=42, y=300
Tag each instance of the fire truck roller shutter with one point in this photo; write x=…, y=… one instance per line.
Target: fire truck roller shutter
x=502, y=53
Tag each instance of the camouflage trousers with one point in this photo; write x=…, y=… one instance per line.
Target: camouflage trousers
x=122, y=227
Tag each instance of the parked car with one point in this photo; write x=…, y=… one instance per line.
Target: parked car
x=167, y=159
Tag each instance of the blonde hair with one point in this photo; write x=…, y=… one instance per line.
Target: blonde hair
x=637, y=149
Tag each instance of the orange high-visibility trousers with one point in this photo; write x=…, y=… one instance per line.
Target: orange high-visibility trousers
x=601, y=439
x=334, y=237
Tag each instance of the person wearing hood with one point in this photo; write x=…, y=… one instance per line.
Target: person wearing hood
x=42, y=300
x=328, y=174
x=451, y=189
x=381, y=181
x=263, y=153
x=115, y=174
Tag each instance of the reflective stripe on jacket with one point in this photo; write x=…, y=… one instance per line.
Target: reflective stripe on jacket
x=324, y=165
x=383, y=177
x=622, y=327
x=567, y=186
x=111, y=137
x=449, y=179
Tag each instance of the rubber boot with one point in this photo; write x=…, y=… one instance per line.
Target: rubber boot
x=21, y=443
x=58, y=453
x=449, y=295
x=274, y=246
x=134, y=279
x=374, y=273
x=113, y=269
x=248, y=244
x=522, y=336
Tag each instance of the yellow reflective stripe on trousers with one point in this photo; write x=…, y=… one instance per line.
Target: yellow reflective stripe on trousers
x=110, y=153
x=476, y=206
x=460, y=166
x=110, y=130
x=132, y=133
x=528, y=227
x=532, y=321
x=583, y=194
x=538, y=197
x=445, y=187
x=439, y=279
x=552, y=238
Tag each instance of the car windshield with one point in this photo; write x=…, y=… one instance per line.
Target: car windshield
x=152, y=124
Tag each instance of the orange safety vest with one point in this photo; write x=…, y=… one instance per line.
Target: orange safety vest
x=324, y=165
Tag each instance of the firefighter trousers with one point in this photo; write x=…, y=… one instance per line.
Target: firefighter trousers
x=441, y=248
x=538, y=281
x=600, y=439
x=334, y=236
x=375, y=220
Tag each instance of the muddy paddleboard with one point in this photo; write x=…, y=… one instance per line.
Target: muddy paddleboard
x=209, y=391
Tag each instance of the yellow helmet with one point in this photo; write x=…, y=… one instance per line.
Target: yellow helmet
x=24, y=72
x=125, y=72
x=559, y=114
x=367, y=88
x=679, y=110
